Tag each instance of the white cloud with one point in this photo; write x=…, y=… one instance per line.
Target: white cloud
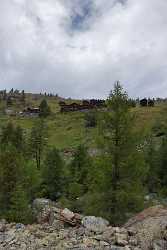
x=44, y=47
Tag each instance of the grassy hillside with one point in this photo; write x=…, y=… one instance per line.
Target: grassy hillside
x=66, y=131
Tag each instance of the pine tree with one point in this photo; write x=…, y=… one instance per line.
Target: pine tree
x=162, y=172
x=79, y=173
x=128, y=169
x=11, y=171
x=23, y=97
x=20, y=210
x=18, y=138
x=153, y=159
x=12, y=135
x=53, y=174
x=44, y=109
x=7, y=134
x=158, y=167
x=37, y=141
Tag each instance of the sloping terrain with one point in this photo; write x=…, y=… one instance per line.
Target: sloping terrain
x=67, y=130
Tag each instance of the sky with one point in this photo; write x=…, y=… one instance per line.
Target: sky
x=79, y=48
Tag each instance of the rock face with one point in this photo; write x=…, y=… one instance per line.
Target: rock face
x=61, y=229
x=150, y=227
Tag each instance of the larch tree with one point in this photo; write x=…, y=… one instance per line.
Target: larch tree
x=125, y=193
x=38, y=141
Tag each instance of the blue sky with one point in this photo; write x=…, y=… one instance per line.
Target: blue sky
x=80, y=48
x=78, y=18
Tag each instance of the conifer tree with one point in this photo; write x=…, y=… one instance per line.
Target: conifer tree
x=44, y=109
x=128, y=169
x=18, y=138
x=23, y=97
x=11, y=171
x=162, y=171
x=12, y=135
x=80, y=167
x=20, y=210
x=53, y=174
x=38, y=141
x=7, y=134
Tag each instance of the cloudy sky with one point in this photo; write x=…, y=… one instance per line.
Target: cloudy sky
x=79, y=48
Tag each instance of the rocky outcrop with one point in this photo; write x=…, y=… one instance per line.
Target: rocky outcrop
x=47, y=211
x=61, y=229
x=150, y=227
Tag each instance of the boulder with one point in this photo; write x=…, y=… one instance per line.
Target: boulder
x=40, y=203
x=67, y=214
x=95, y=224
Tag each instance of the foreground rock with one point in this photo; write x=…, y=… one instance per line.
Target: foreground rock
x=94, y=224
x=47, y=211
x=150, y=227
x=61, y=229
x=34, y=237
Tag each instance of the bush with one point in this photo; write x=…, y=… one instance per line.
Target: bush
x=20, y=210
x=91, y=119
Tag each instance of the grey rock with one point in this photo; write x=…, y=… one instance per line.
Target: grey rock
x=116, y=248
x=20, y=226
x=40, y=203
x=160, y=245
x=95, y=224
x=7, y=237
x=121, y=239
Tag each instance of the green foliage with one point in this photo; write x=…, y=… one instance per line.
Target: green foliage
x=12, y=135
x=153, y=162
x=91, y=119
x=53, y=174
x=38, y=141
x=127, y=165
x=20, y=210
x=157, y=156
x=11, y=171
x=132, y=103
x=32, y=180
x=44, y=109
x=162, y=170
x=78, y=179
x=79, y=172
x=7, y=134
x=16, y=176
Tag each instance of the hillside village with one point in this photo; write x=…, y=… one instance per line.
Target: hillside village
x=17, y=102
